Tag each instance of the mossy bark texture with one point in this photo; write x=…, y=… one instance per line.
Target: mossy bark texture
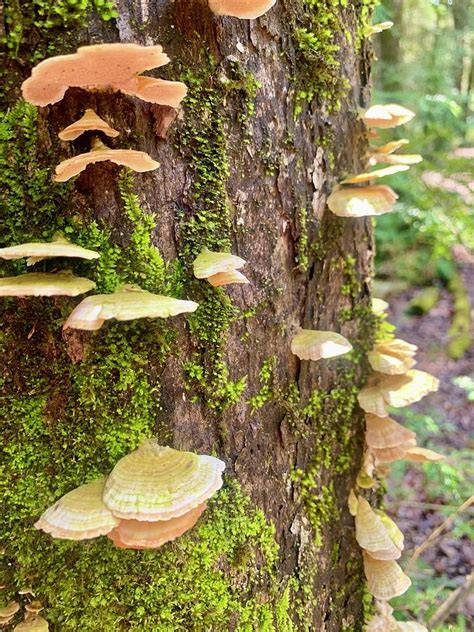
x=246, y=165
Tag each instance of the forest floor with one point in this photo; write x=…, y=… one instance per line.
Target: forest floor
x=422, y=496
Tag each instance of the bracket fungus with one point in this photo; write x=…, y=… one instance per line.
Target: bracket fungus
x=393, y=357
x=136, y=534
x=379, y=27
x=310, y=344
x=385, y=578
x=362, y=201
x=418, y=454
x=389, y=147
x=38, y=251
x=127, y=303
x=8, y=612
x=244, y=9
x=395, y=159
x=45, y=284
x=136, y=160
x=219, y=268
x=387, y=439
x=159, y=483
x=377, y=533
x=102, y=67
x=35, y=623
x=379, y=306
x=382, y=391
x=88, y=122
x=360, y=178
x=387, y=116
x=79, y=515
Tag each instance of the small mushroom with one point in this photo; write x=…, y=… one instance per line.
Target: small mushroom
x=385, y=578
x=244, y=9
x=159, y=483
x=422, y=455
x=384, y=432
x=310, y=344
x=32, y=624
x=38, y=251
x=103, y=67
x=392, y=356
x=381, y=538
x=136, y=534
x=219, y=268
x=88, y=122
x=395, y=159
x=386, y=116
x=352, y=503
x=45, y=284
x=378, y=28
x=382, y=391
x=79, y=515
x=136, y=160
x=374, y=175
x=379, y=306
x=8, y=612
x=389, y=147
x=362, y=201
x=127, y=303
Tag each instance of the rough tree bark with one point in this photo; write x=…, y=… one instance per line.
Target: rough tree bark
x=269, y=125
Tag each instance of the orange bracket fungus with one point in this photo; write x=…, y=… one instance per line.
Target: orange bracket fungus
x=32, y=624
x=45, y=284
x=102, y=67
x=382, y=391
x=79, y=514
x=88, y=122
x=127, y=303
x=386, y=116
x=159, y=483
x=136, y=160
x=136, y=534
x=377, y=533
x=375, y=175
x=38, y=251
x=219, y=268
x=385, y=578
x=244, y=9
x=392, y=356
x=310, y=344
x=362, y=201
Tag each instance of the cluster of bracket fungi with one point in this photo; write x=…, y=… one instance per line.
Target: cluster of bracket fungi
x=155, y=494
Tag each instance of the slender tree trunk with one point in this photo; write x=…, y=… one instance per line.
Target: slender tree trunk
x=246, y=165
x=390, y=50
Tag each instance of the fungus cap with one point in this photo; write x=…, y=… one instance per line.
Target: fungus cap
x=8, y=612
x=373, y=535
x=422, y=455
x=98, y=67
x=244, y=9
x=394, y=453
x=385, y=578
x=88, y=122
x=159, y=483
x=45, y=284
x=379, y=306
x=393, y=357
x=32, y=624
x=389, y=147
x=362, y=201
x=136, y=534
x=410, y=626
x=227, y=278
x=396, y=159
x=382, y=391
x=384, y=432
x=311, y=344
x=360, y=178
x=386, y=116
x=37, y=251
x=208, y=264
x=159, y=91
x=365, y=478
x=138, y=161
x=378, y=28
x=127, y=303
x=79, y=515
x=352, y=503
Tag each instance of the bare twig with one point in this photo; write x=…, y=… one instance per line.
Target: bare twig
x=455, y=598
x=436, y=532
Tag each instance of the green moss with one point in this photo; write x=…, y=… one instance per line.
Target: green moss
x=460, y=330
x=365, y=14
x=318, y=33
x=302, y=249
x=244, y=84
x=46, y=18
x=265, y=394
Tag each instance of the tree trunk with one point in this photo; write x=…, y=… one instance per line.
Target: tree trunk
x=390, y=50
x=246, y=165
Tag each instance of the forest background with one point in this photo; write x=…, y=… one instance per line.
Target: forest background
x=425, y=268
